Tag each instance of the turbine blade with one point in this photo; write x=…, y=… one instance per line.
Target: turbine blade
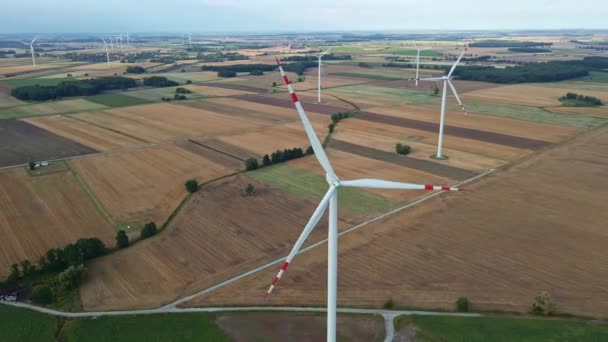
x=432, y=79
x=312, y=222
x=457, y=97
x=457, y=61
x=310, y=132
x=384, y=184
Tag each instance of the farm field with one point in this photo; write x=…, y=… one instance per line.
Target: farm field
x=368, y=95
x=500, y=247
x=20, y=325
x=161, y=122
x=157, y=94
x=43, y=81
x=44, y=212
x=528, y=95
x=209, y=90
x=183, y=77
x=83, y=133
x=207, y=243
x=22, y=143
x=47, y=108
x=146, y=184
x=600, y=112
x=117, y=100
x=517, y=128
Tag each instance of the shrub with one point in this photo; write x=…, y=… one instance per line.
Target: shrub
x=149, y=230
x=32, y=166
x=388, y=304
x=364, y=65
x=249, y=189
x=188, y=82
x=309, y=150
x=251, y=164
x=71, y=277
x=191, y=185
x=181, y=90
x=402, y=149
x=274, y=84
x=256, y=72
x=122, y=239
x=178, y=97
x=42, y=294
x=462, y=304
x=135, y=70
x=226, y=73
x=543, y=304
x=332, y=127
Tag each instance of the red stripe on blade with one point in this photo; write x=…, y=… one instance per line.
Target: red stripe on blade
x=284, y=267
x=294, y=97
x=285, y=79
x=428, y=187
x=275, y=281
x=445, y=188
x=278, y=61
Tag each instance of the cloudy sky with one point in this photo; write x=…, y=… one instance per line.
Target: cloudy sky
x=201, y=16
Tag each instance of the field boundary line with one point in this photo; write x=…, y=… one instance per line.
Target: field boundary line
x=110, y=129
x=316, y=244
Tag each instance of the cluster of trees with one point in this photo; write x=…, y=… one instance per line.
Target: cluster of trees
x=402, y=149
x=140, y=56
x=335, y=118
x=159, y=82
x=148, y=230
x=529, y=50
x=72, y=88
x=364, y=65
x=226, y=73
x=298, y=68
x=413, y=66
x=221, y=57
x=135, y=69
x=530, y=72
x=191, y=186
x=507, y=43
x=328, y=57
x=164, y=59
x=579, y=100
x=283, y=156
x=5, y=53
x=61, y=270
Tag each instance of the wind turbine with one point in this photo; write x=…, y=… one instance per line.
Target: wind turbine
x=331, y=199
x=107, y=53
x=319, y=80
x=111, y=43
x=447, y=81
x=127, y=38
x=31, y=44
x=190, y=40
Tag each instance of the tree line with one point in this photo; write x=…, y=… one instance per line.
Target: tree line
x=579, y=100
x=221, y=57
x=507, y=43
x=277, y=157
x=159, y=82
x=298, y=68
x=528, y=50
x=328, y=57
x=72, y=88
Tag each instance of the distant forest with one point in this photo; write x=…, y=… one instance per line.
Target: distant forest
x=298, y=67
x=72, y=88
x=533, y=72
x=529, y=50
x=328, y=57
x=491, y=43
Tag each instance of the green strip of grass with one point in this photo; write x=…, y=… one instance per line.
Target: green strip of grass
x=362, y=75
x=392, y=95
x=164, y=327
x=437, y=328
x=304, y=183
x=38, y=81
x=22, y=325
x=117, y=100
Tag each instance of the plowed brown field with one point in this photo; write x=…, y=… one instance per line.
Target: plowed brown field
x=220, y=233
x=145, y=184
x=44, y=212
x=537, y=226
x=528, y=95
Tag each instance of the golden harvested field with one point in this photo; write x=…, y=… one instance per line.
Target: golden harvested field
x=311, y=97
x=352, y=166
x=44, y=212
x=520, y=128
x=327, y=81
x=267, y=140
x=145, y=184
x=54, y=107
x=528, y=95
x=160, y=122
x=420, y=150
x=282, y=113
x=207, y=243
x=25, y=67
x=214, y=91
x=524, y=230
x=483, y=149
x=92, y=136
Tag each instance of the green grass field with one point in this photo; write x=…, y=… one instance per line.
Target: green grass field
x=525, y=113
x=156, y=94
x=40, y=81
x=182, y=77
x=165, y=327
x=366, y=75
x=435, y=328
x=304, y=183
x=21, y=325
x=595, y=76
x=117, y=100
x=391, y=95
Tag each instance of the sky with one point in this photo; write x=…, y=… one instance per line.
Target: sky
x=218, y=16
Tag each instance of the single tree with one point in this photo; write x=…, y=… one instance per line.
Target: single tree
x=122, y=239
x=462, y=304
x=251, y=164
x=436, y=91
x=309, y=150
x=15, y=274
x=543, y=304
x=249, y=189
x=32, y=166
x=331, y=127
x=192, y=186
x=149, y=230
x=266, y=160
x=274, y=84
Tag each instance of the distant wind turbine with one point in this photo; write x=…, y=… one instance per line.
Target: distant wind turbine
x=107, y=53
x=189, y=39
x=111, y=43
x=331, y=199
x=31, y=44
x=447, y=81
x=418, y=63
x=319, y=80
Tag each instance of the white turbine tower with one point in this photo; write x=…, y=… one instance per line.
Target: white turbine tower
x=31, y=44
x=331, y=199
x=319, y=80
x=111, y=43
x=190, y=40
x=127, y=38
x=447, y=81
x=106, y=47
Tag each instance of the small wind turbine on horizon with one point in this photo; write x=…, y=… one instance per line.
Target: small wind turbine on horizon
x=111, y=43
x=418, y=63
x=320, y=56
x=31, y=44
x=331, y=199
x=447, y=81
x=106, y=47
x=190, y=40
